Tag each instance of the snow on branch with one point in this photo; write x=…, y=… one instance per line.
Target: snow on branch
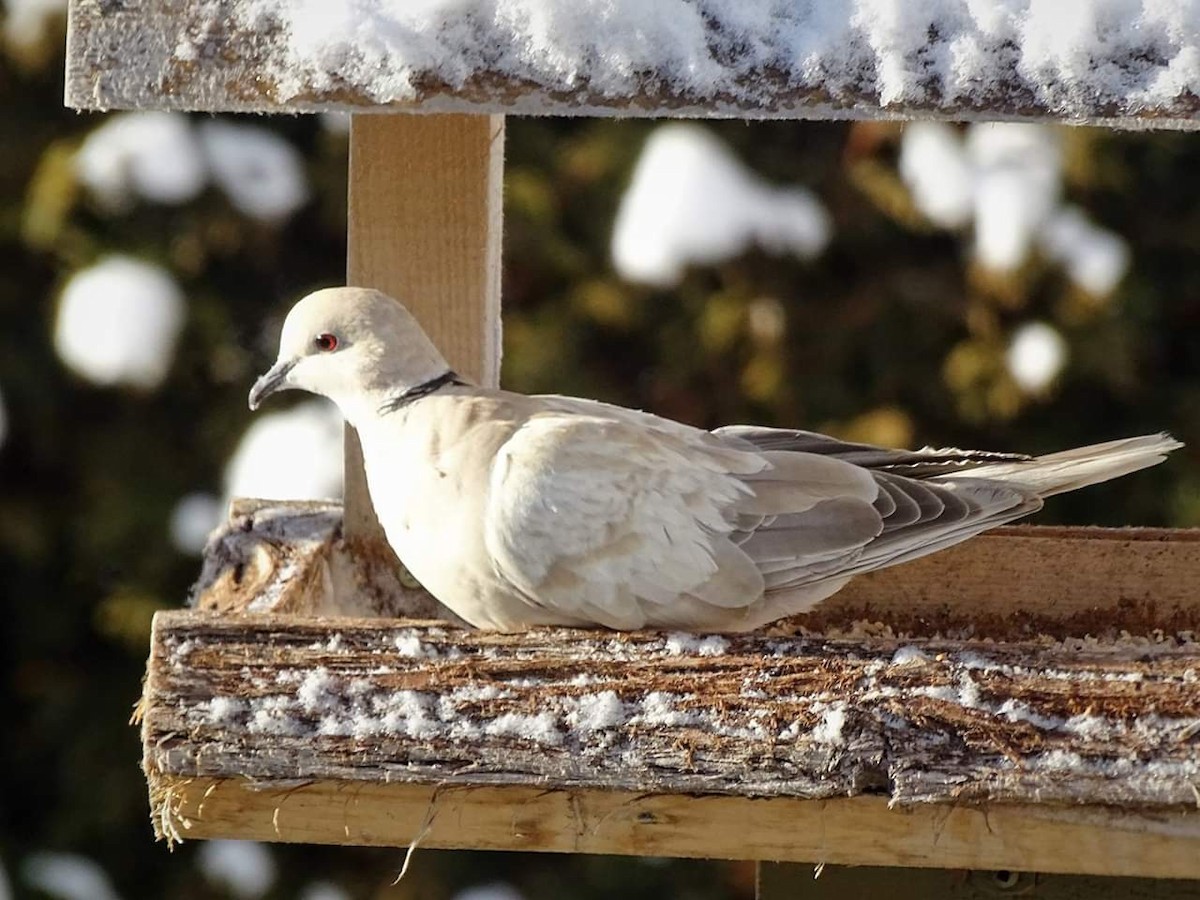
x=1099, y=61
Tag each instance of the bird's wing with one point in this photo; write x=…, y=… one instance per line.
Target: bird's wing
x=626, y=519
x=918, y=517
x=923, y=463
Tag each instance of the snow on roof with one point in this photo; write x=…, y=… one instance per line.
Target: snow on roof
x=691, y=201
x=1074, y=59
x=118, y=322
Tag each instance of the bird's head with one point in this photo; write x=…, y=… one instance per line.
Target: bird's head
x=355, y=346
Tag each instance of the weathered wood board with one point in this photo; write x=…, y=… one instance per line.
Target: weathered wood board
x=780, y=63
x=848, y=831
x=256, y=725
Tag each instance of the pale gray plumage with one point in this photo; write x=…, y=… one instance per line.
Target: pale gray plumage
x=517, y=511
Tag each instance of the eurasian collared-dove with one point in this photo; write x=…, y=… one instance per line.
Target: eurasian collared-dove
x=518, y=510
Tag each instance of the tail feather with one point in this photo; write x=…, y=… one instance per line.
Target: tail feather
x=1068, y=470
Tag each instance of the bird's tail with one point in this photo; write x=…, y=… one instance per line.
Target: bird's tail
x=1068, y=470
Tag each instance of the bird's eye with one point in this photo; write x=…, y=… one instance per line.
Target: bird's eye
x=326, y=343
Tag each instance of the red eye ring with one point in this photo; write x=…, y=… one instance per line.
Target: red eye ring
x=326, y=343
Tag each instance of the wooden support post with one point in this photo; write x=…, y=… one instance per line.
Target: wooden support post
x=425, y=226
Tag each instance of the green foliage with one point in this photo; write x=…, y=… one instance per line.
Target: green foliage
x=890, y=335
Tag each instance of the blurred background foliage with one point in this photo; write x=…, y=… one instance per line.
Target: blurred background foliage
x=894, y=334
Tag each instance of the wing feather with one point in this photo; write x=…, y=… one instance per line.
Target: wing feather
x=587, y=513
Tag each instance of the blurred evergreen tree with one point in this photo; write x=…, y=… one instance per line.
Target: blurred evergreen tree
x=891, y=335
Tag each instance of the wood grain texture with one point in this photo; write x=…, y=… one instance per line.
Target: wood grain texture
x=850, y=831
x=554, y=739
x=424, y=225
x=1025, y=580
x=125, y=55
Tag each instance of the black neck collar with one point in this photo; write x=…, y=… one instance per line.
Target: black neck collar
x=417, y=391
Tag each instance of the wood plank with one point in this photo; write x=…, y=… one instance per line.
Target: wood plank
x=209, y=56
x=1027, y=580
x=351, y=707
x=849, y=831
x=788, y=881
x=425, y=227
x=1012, y=583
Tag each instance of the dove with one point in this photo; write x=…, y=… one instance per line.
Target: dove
x=516, y=511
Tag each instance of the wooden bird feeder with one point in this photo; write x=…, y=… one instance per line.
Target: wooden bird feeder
x=1028, y=702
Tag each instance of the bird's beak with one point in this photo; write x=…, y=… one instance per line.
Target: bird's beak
x=274, y=380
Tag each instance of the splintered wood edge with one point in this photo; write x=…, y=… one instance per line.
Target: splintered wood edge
x=125, y=58
x=851, y=831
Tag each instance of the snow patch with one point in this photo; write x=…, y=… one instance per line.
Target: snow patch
x=193, y=519
x=67, y=876
x=1016, y=711
x=1095, y=259
x=409, y=645
x=829, y=730
x=691, y=201
x=1037, y=353
x=291, y=455
x=1018, y=183
x=496, y=891
x=593, y=712
x=318, y=692
x=262, y=174
x=683, y=644
x=540, y=729
x=909, y=654
x=324, y=890
x=226, y=710
x=25, y=20
x=273, y=715
x=245, y=869
x=934, y=166
x=151, y=155
x=162, y=158
x=118, y=322
x=659, y=708
x=1006, y=179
